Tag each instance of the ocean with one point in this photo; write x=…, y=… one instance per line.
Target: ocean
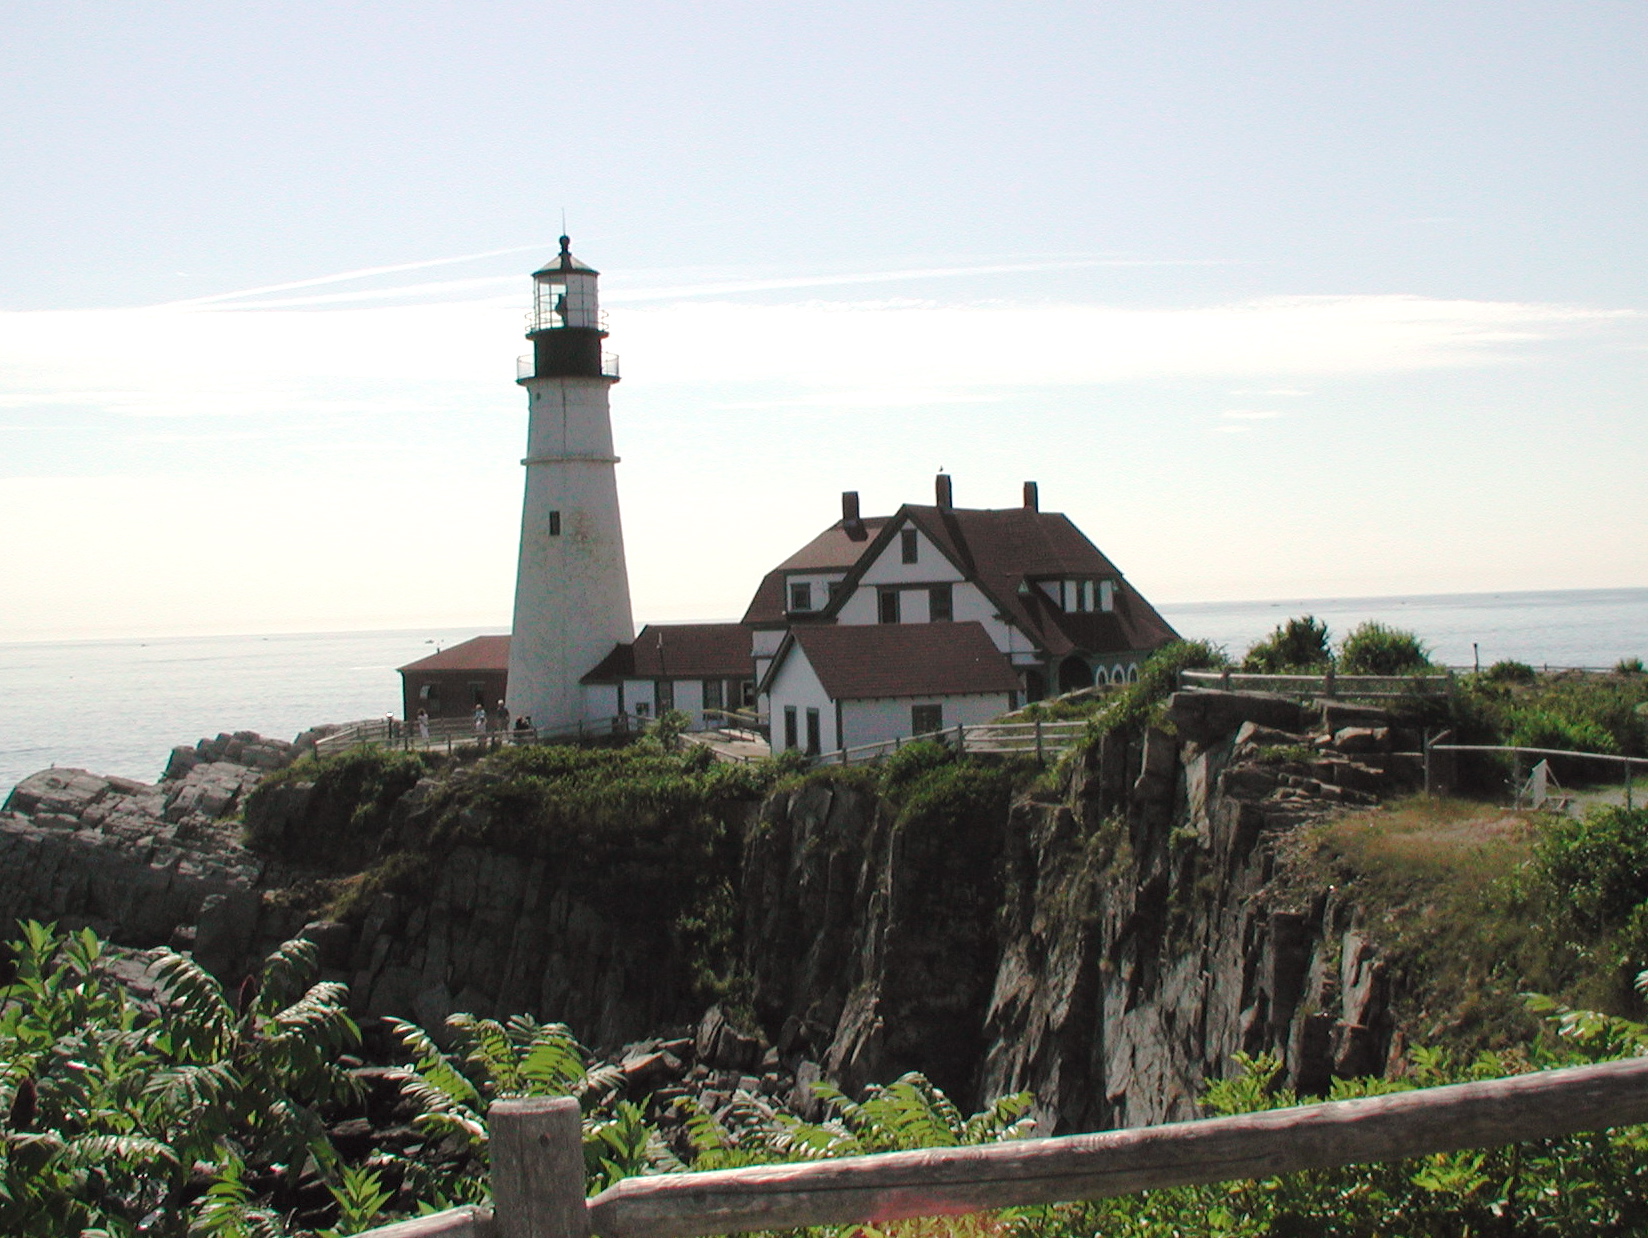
x=119, y=706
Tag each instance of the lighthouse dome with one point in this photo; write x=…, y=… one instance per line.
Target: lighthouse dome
x=564, y=263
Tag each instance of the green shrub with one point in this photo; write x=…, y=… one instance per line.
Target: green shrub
x=1375, y=648
x=111, y=1107
x=1594, y=869
x=1158, y=680
x=1531, y=726
x=1629, y=666
x=348, y=810
x=1510, y=672
x=1300, y=644
x=909, y=763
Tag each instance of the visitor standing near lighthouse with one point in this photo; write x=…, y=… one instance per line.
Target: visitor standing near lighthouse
x=571, y=585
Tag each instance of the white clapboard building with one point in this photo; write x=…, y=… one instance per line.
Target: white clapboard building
x=890, y=626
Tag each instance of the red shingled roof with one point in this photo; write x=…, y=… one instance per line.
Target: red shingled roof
x=680, y=651
x=834, y=550
x=1003, y=548
x=902, y=659
x=478, y=653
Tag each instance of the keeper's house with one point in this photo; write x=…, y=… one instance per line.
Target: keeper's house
x=910, y=623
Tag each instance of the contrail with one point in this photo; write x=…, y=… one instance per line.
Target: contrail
x=364, y=273
x=621, y=295
x=880, y=277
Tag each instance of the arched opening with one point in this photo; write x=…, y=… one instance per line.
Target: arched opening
x=1074, y=673
x=1118, y=673
x=1133, y=673
x=1035, y=685
x=1101, y=677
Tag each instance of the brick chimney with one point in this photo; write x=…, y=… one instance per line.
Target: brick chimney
x=946, y=497
x=1032, y=498
x=850, y=521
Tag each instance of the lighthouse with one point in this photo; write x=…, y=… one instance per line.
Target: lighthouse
x=571, y=584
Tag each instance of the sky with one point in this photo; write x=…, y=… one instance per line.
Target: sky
x=1273, y=299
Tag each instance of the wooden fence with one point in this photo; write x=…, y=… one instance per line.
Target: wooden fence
x=454, y=733
x=1040, y=739
x=1328, y=684
x=1436, y=782
x=538, y=1165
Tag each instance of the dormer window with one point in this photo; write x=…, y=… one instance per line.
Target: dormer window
x=801, y=595
x=1078, y=596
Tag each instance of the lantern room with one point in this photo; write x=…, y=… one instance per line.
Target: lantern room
x=566, y=325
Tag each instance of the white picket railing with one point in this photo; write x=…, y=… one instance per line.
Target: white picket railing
x=1040, y=739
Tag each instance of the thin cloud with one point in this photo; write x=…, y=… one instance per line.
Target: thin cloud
x=218, y=360
x=1251, y=414
x=345, y=276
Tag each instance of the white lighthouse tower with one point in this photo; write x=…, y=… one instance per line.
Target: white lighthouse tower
x=571, y=585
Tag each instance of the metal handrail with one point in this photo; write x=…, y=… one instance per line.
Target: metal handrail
x=536, y=322
x=526, y=366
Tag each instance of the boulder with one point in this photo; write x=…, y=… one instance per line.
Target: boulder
x=1353, y=740
x=1206, y=716
x=1338, y=714
x=183, y=759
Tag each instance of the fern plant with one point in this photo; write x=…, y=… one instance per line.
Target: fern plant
x=108, y=1114
x=498, y=1061
x=911, y=1112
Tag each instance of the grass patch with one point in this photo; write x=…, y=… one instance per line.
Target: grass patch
x=1479, y=905
x=1438, y=884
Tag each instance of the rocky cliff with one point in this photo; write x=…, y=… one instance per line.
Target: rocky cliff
x=1107, y=942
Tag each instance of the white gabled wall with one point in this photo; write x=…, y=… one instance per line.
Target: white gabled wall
x=930, y=567
x=797, y=684
x=877, y=721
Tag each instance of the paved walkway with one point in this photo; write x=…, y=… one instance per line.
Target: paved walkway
x=731, y=745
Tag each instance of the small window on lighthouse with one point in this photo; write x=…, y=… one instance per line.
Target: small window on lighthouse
x=555, y=524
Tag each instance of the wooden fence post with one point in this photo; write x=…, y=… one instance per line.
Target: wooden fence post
x=538, y=1168
x=1041, y=758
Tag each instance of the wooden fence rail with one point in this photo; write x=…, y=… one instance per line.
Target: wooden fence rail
x=1329, y=683
x=538, y=1184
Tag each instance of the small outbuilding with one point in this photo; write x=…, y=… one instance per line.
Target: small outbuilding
x=839, y=686
x=691, y=667
x=449, y=684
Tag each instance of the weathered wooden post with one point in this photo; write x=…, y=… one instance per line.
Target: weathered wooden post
x=1041, y=758
x=961, y=741
x=1327, y=683
x=538, y=1168
x=1224, y=679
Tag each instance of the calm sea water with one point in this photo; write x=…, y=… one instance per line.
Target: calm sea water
x=118, y=707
